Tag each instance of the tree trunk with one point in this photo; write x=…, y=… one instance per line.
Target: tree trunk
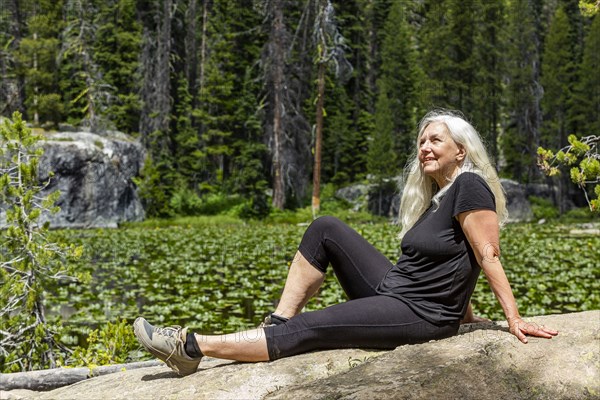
x=156, y=86
x=36, y=114
x=191, y=48
x=316, y=197
x=203, y=47
x=278, y=63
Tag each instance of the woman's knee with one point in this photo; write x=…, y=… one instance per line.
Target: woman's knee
x=325, y=223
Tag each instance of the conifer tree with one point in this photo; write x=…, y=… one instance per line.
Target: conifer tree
x=381, y=159
x=29, y=261
x=587, y=94
x=87, y=93
x=558, y=77
x=521, y=136
x=401, y=80
x=36, y=58
x=488, y=90
x=116, y=51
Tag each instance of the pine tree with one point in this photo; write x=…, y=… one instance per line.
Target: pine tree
x=116, y=51
x=381, y=159
x=488, y=90
x=29, y=261
x=521, y=137
x=86, y=92
x=558, y=77
x=587, y=94
x=36, y=58
x=401, y=78
x=159, y=175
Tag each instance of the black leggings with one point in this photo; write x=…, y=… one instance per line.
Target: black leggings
x=367, y=320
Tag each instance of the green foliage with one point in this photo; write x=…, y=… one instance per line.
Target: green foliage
x=542, y=208
x=36, y=63
x=218, y=276
x=116, y=52
x=381, y=158
x=186, y=203
x=589, y=8
x=523, y=92
x=154, y=190
x=29, y=261
x=190, y=81
x=112, y=344
x=550, y=271
x=584, y=159
x=587, y=91
x=399, y=99
x=559, y=73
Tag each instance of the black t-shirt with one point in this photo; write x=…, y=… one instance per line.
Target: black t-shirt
x=437, y=271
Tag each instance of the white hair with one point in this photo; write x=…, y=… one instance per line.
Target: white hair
x=421, y=190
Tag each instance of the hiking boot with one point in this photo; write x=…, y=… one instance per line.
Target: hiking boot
x=168, y=344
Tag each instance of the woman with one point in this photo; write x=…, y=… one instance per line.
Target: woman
x=451, y=210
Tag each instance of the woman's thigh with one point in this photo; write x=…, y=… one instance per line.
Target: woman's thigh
x=372, y=322
x=357, y=264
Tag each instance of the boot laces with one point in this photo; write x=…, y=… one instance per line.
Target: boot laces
x=172, y=332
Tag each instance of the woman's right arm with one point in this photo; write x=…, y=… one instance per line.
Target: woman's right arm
x=482, y=232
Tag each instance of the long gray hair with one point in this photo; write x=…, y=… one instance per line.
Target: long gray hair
x=421, y=190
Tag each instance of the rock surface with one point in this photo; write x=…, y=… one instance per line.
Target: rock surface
x=517, y=204
x=94, y=175
x=483, y=362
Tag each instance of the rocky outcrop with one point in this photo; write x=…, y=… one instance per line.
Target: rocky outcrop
x=483, y=362
x=94, y=176
x=517, y=204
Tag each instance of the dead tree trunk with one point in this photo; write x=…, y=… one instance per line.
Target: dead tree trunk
x=316, y=197
x=49, y=379
x=278, y=65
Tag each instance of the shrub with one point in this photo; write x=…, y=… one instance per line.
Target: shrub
x=542, y=208
x=113, y=344
x=29, y=262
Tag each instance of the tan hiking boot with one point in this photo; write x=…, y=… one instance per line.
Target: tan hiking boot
x=168, y=344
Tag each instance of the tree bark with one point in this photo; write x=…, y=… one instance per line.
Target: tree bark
x=316, y=197
x=203, y=48
x=49, y=379
x=278, y=64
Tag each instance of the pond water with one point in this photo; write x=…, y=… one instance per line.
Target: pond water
x=222, y=278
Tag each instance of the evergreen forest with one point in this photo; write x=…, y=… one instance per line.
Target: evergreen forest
x=232, y=97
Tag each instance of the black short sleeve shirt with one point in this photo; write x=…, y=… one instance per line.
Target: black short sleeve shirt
x=437, y=271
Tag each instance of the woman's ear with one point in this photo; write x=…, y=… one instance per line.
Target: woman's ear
x=461, y=154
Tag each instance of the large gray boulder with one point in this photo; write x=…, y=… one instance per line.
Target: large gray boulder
x=483, y=362
x=517, y=204
x=94, y=176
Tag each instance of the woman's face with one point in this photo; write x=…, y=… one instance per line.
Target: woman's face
x=439, y=155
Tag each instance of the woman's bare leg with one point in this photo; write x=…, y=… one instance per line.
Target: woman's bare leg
x=248, y=345
x=302, y=283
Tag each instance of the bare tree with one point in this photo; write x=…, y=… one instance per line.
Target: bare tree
x=330, y=47
x=155, y=62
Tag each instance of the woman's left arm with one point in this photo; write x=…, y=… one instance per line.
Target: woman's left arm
x=482, y=232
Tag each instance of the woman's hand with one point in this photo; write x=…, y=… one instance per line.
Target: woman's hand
x=520, y=328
